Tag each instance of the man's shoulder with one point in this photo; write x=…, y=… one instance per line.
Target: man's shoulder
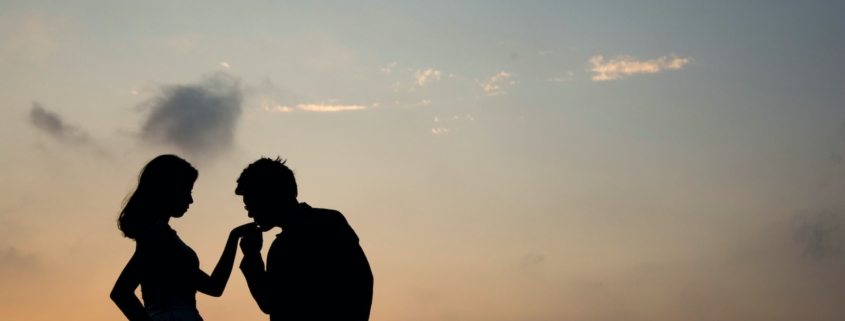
x=331, y=221
x=328, y=217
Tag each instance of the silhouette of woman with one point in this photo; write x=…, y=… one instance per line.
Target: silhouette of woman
x=167, y=269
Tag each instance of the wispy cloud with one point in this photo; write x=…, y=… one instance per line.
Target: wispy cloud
x=569, y=76
x=52, y=124
x=273, y=107
x=276, y=108
x=321, y=108
x=427, y=76
x=197, y=119
x=821, y=235
x=439, y=130
x=624, y=65
x=496, y=85
x=389, y=68
x=224, y=64
x=454, y=118
x=544, y=52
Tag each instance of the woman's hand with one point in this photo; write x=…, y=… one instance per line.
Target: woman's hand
x=245, y=229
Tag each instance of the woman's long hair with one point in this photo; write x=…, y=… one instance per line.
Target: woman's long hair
x=159, y=180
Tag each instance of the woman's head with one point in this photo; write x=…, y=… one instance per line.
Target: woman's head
x=164, y=190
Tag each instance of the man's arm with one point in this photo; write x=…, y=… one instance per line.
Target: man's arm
x=252, y=267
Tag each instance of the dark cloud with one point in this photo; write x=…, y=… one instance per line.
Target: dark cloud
x=52, y=124
x=12, y=259
x=197, y=119
x=532, y=259
x=820, y=235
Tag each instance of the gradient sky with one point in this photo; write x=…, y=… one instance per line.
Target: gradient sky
x=500, y=160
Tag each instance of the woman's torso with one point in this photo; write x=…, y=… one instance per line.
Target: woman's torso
x=170, y=269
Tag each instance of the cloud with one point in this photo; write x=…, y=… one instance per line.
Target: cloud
x=387, y=69
x=569, y=77
x=427, y=76
x=197, y=119
x=52, y=124
x=820, y=235
x=532, y=259
x=496, y=85
x=544, y=52
x=454, y=118
x=12, y=259
x=224, y=64
x=277, y=109
x=439, y=130
x=321, y=108
x=624, y=65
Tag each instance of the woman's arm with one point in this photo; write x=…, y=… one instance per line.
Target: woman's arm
x=215, y=284
x=123, y=293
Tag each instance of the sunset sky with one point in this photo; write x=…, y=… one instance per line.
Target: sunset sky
x=499, y=160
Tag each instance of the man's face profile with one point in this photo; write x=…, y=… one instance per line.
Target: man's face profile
x=262, y=209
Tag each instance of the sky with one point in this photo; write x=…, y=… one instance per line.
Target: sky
x=499, y=160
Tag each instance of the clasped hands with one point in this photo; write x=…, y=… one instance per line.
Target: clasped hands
x=251, y=238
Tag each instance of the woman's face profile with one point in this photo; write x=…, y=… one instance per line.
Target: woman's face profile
x=181, y=200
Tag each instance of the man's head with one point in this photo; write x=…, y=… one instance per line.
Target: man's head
x=269, y=191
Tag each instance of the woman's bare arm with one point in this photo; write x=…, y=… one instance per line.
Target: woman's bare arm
x=123, y=293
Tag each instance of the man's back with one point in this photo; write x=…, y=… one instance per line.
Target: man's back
x=315, y=270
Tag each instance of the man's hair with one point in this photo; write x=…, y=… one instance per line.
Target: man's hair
x=267, y=176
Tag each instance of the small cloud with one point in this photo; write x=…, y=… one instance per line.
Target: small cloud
x=544, y=53
x=321, y=108
x=425, y=102
x=278, y=109
x=494, y=85
x=569, y=77
x=624, y=65
x=12, y=259
x=427, y=76
x=531, y=260
x=439, y=130
x=387, y=69
x=454, y=118
x=224, y=64
x=199, y=118
x=821, y=235
x=397, y=86
x=134, y=92
x=52, y=124
x=376, y=105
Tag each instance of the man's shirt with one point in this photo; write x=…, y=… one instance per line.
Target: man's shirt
x=316, y=270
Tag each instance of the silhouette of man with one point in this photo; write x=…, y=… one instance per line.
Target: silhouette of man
x=316, y=270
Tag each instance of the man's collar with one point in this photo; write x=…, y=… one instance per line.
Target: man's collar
x=296, y=215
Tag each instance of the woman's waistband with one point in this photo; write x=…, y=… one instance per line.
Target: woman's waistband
x=170, y=305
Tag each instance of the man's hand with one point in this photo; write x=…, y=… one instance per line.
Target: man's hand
x=251, y=239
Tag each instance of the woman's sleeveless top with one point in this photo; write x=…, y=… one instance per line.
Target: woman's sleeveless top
x=170, y=269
